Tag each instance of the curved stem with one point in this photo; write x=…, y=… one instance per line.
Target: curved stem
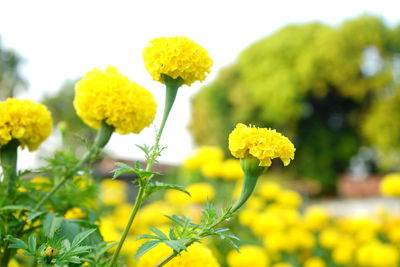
x=102, y=138
x=172, y=86
x=138, y=203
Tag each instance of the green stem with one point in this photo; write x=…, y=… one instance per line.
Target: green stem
x=102, y=138
x=252, y=171
x=8, y=158
x=138, y=203
x=172, y=86
x=226, y=215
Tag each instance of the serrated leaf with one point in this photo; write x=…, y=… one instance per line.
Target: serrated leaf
x=33, y=215
x=81, y=236
x=146, y=247
x=146, y=236
x=16, y=243
x=66, y=244
x=156, y=186
x=74, y=259
x=176, y=245
x=172, y=235
x=32, y=243
x=159, y=233
x=51, y=224
x=178, y=220
x=15, y=207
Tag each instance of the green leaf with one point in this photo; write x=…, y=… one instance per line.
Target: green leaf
x=15, y=207
x=176, y=245
x=172, y=235
x=156, y=186
x=177, y=219
x=159, y=233
x=33, y=215
x=51, y=224
x=81, y=237
x=146, y=247
x=145, y=236
x=32, y=243
x=16, y=243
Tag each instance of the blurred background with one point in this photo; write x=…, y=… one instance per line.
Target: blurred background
x=325, y=74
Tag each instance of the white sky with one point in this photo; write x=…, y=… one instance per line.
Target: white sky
x=62, y=40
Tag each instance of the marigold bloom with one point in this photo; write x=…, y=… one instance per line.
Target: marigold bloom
x=75, y=213
x=28, y=122
x=264, y=144
x=248, y=256
x=390, y=185
x=177, y=57
x=111, y=97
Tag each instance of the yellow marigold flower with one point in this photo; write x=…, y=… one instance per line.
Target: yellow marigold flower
x=202, y=156
x=251, y=256
x=113, y=192
x=264, y=144
x=269, y=190
x=177, y=57
x=315, y=218
x=28, y=122
x=289, y=198
x=314, y=262
x=390, y=185
x=199, y=192
x=75, y=213
x=111, y=97
x=196, y=255
x=231, y=170
x=211, y=169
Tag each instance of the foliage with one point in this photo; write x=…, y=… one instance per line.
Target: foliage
x=11, y=81
x=320, y=85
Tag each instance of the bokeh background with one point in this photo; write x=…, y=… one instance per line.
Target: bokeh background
x=324, y=73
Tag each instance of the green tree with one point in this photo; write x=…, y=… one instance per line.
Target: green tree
x=315, y=83
x=11, y=81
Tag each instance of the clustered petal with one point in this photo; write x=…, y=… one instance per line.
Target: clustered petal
x=177, y=57
x=264, y=144
x=111, y=97
x=28, y=122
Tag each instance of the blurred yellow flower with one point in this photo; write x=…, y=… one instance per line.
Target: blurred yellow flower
x=176, y=57
x=289, y=198
x=200, y=193
x=264, y=144
x=113, y=192
x=231, y=170
x=315, y=218
x=196, y=255
x=249, y=256
x=75, y=213
x=111, y=97
x=314, y=262
x=28, y=122
x=211, y=169
x=390, y=185
x=269, y=190
x=202, y=156
x=282, y=264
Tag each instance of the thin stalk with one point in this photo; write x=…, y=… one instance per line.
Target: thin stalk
x=102, y=138
x=172, y=86
x=138, y=203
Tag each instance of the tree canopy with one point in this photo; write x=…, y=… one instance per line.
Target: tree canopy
x=329, y=88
